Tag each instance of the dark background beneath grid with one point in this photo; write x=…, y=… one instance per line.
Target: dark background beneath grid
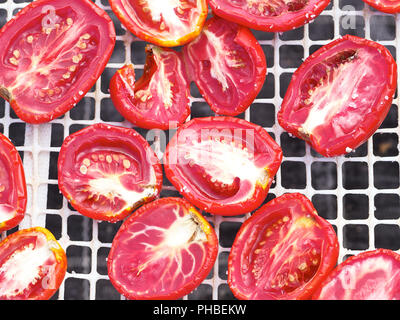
x=324, y=177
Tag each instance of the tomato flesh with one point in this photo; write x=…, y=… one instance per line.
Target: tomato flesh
x=270, y=15
x=107, y=171
x=163, y=251
x=370, y=275
x=53, y=53
x=13, y=193
x=228, y=66
x=160, y=98
x=340, y=95
x=166, y=23
x=388, y=6
x=283, y=251
x=223, y=165
x=32, y=265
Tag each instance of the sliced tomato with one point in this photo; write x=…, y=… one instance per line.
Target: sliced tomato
x=106, y=171
x=13, y=195
x=223, y=165
x=162, y=251
x=370, y=275
x=167, y=23
x=53, y=52
x=340, y=95
x=32, y=265
x=283, y=251
x=271, y=16
x=160, y=98
x=388, y=6
x=228, y=65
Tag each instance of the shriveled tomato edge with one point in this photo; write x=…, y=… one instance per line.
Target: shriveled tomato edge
x=270, y=24
x=245, y=39
x=210, y=259
x=118, y=93
x=91, y=130
x=59, y=255
x=119, y=11
x=330, y=249
x=387, y=8
x=212, y=206
x=382, y=107
x=351, y=260
x=19, y=177
x=34, y=118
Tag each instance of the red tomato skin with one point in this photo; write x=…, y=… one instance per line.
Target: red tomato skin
x=12, y=157
x=146, y=35
x=122, y=100
x=209, y=205
x=288, y=22
x=356, y=259
x=212, y=252
x=13, y=25
x=369, y=124
x=246, y=40
x=121, y=135
x=387, y=6
x=16, y=240
x=282, y=203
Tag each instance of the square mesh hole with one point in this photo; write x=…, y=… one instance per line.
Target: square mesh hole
x=386, y=206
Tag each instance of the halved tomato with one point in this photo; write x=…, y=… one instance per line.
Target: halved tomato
x=52, y=53
x=162, y=251
x=106, y=171
x=271, y=16
x=13, y=195
x=228, y=65
x=160, y=98
x=167, y=23
x=388, y=6
x=283, y=251
x=340, y=95
x=223, y=165
x=370, y=275
x=32, y=265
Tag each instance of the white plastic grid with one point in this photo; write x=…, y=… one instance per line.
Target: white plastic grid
x=352, y=192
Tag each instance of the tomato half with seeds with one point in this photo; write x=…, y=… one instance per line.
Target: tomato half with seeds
x=167, y=23
x=388, y=6
x=282, y=252
x=228, y=65
x=340, y=95
x=162, y=251
x=223, y=165
x=370, y=275
x=269, y=15
x=32, y=265
x=106, y=171
x=160, y=98
x=13, y=195
x=53, y=52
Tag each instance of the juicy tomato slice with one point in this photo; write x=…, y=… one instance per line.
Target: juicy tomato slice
x=269, y=15
x=160, y=98
x=167, y=23
x=340, y=95
x=13, y=195
x=32, y=265
x=228, y=65
x=106, y=171
x=223, y=165
x=388, y=6
x=162, y=251
x=283, y=251
x=52, y=53
x=371, y=275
